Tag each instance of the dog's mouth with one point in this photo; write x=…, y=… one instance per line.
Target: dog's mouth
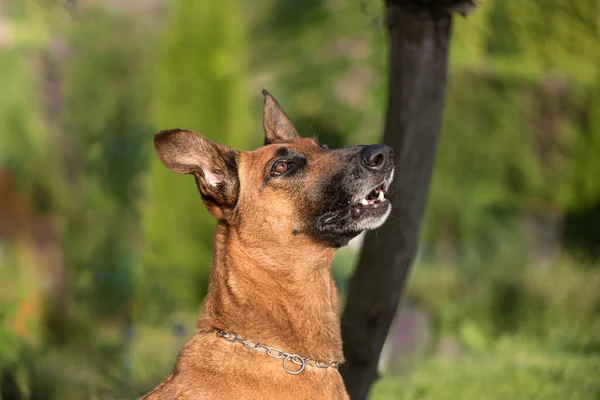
x=373, y=200
x=354, y=200
x=365, y=208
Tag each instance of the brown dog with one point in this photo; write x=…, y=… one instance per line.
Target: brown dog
x=270, y=327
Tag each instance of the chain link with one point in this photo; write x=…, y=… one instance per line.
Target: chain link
x=274, y=352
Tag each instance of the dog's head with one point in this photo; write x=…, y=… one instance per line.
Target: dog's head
x=289, y=188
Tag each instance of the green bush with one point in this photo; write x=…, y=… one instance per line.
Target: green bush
x=548, y=303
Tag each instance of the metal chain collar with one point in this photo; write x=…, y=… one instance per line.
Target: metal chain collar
x=274, y=352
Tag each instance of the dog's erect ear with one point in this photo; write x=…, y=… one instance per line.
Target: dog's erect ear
x=277, y=124
x=214, y=166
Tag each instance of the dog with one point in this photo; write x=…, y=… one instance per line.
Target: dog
x=270, y=327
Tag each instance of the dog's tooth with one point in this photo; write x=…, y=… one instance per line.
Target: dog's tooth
x=364, y=202
x=381, y=196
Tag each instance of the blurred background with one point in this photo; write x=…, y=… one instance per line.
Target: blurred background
x=104, y=253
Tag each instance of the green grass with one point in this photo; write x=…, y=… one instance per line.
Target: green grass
x=508, y=372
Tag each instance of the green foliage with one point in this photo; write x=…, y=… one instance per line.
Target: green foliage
x=512, y=370
x=200, y=86
x=522, y=77
x=109, y=144
x=582, y=229
x=476, y=189
x=24, y=142
x=10, y=342
x=325, y=64
x=585, y=191
x=535, y=302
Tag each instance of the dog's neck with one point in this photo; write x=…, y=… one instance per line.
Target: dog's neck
x=281, y=297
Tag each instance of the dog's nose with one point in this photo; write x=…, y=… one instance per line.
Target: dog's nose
x=377, y=155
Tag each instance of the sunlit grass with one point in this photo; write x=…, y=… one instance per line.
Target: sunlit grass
x=509, y=372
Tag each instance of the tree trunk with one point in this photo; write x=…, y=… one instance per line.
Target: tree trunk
x=419, y=39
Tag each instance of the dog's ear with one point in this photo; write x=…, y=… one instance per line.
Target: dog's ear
x=214, y=166
x=277, y=124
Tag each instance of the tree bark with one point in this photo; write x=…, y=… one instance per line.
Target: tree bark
x=419, y=35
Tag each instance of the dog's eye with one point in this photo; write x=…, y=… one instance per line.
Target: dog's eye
x=280, y=167
x=324, y=146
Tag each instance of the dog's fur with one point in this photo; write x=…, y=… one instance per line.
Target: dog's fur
x=271, y=274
